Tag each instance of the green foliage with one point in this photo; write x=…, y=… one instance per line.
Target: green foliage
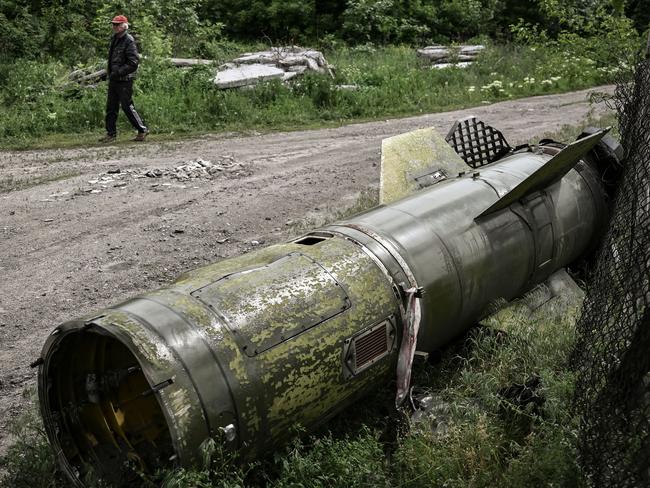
x=416, y=21
x=373, y=21
x=21, y=36
x=77, y=30
x=601, y=36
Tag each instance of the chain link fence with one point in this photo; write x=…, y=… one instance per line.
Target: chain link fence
x=612, y=353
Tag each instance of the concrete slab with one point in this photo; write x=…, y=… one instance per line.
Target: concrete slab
x=463, y=64
x=248, y=74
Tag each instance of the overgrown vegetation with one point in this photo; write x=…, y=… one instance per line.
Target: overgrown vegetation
x=76, y=31
x=579, y=46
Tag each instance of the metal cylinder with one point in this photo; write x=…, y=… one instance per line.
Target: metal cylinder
x=243, y=349
x=465, y=263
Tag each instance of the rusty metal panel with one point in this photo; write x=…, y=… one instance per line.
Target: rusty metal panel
x=270, y=304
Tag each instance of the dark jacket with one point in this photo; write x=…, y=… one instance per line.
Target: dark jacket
x=123, y=58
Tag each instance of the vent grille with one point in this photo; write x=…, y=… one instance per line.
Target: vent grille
x=368, y=347
x=476, y=142
x=371, y=347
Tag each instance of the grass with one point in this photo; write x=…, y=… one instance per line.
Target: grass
x=491, y=440
x=391, y=82
x=29, y=462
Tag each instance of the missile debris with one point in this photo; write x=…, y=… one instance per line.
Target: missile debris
x=243, y=349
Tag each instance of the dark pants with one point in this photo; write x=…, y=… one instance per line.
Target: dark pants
x=121, y=93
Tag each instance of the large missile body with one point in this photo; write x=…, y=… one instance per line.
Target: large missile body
x=242, y=350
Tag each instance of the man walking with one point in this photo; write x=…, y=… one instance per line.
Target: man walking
x=123, y=62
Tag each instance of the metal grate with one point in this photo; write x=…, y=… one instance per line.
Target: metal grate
x=370, y=347
x=476, y=142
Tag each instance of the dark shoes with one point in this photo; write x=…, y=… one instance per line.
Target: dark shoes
x=107, y=138
x=140, y=137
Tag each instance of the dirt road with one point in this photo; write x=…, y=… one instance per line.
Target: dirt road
x=73, y=244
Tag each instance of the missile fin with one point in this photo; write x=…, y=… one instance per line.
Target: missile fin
x=414, y=160
x=553, y=170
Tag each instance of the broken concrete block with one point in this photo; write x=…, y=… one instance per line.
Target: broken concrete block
x=313, y=64
x=298, y=68
x=186, y=62
x=247, y=74
x=434, y=54
x=282, y=62
x=472, y=50
x=444, y=54
x=256, y=58
x=289, y=74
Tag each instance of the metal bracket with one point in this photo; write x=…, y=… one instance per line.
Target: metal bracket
x=427, y=177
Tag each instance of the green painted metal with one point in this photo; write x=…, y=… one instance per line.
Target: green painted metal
x=244, y=349
x=295, y=306
x=465, y=263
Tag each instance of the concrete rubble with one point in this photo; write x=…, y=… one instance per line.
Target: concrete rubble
x=281, y=63
x=446, y=56
x=190, y=170
x=198, y=168
x=248, y=74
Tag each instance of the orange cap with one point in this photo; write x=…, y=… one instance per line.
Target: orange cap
x=120, y=19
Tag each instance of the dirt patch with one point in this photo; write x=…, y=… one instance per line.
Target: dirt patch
x=131, y=220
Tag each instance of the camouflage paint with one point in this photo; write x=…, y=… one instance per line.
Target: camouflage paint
x=345, y=279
